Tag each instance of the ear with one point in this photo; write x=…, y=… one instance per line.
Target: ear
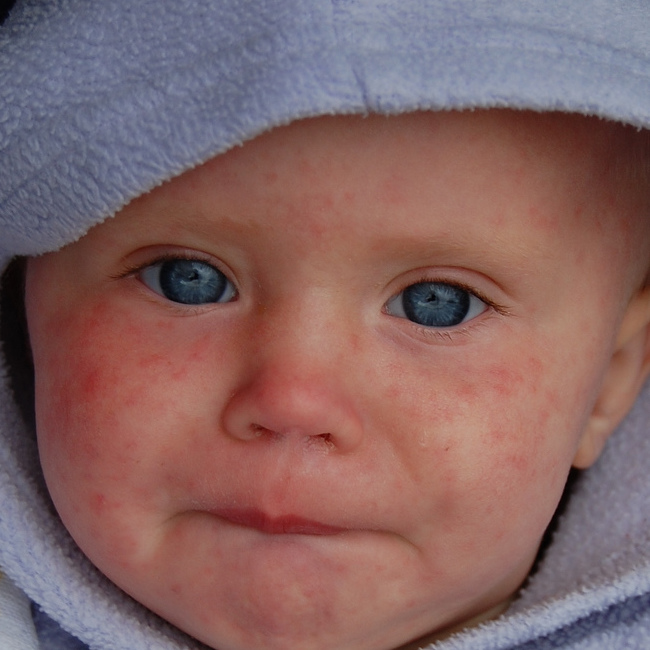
x=627, y=371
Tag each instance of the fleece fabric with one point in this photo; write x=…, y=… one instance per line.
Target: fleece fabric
x=102, y=100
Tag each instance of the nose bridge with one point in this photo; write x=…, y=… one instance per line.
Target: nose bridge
x=304, y=325
x=294, y=385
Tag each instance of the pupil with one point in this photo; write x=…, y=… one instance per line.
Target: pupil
x=435, y=304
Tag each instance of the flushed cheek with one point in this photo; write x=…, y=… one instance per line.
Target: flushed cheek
x=98, y=367
x=110, y=416
x=490, y=437
x=525, y=435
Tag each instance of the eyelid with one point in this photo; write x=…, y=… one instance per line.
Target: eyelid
x=171, y=255
x=450, y=334
x=449, y=277
x=156, y=259
x=397, y=300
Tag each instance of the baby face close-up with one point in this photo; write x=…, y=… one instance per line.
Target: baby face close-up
x=325, y=390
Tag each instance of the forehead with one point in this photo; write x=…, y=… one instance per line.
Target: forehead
x=497, y=183
x=392, y=154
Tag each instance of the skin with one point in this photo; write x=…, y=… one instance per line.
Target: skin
x=199, y=454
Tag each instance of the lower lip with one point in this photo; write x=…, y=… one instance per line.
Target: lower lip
x=286, y=525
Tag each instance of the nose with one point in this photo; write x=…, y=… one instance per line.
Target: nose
x=295, y=388
x=280, y=405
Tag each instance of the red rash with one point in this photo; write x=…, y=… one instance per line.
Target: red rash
x=185, y=445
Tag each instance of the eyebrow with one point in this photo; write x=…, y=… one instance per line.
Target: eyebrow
x=478, y=249
x=450, y=248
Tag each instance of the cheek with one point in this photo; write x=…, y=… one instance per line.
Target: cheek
x=519, y=402
x=491, y=437
x=97, y=371
x=113, y=399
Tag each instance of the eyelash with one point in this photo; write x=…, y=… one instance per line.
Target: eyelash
x=132, y=270
x=449, y=335
x=183, y=309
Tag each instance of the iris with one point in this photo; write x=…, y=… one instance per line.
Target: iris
x=189, y=282
x=436, y=304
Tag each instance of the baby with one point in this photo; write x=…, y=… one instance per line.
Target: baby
x=324, y=391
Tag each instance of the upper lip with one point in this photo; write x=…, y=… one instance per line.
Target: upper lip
x=280, y=525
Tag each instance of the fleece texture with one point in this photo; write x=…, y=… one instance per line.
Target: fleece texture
x=103, y=100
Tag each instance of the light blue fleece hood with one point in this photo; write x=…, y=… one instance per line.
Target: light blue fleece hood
x=102, y=100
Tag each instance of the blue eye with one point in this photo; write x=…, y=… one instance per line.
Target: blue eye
x=189, y=282
x=435, y=304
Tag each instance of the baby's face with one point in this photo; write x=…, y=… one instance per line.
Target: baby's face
x=325, y=390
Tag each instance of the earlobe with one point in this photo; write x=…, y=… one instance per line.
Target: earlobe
x=628, y=369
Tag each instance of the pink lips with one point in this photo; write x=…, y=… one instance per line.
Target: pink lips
x=284, y=525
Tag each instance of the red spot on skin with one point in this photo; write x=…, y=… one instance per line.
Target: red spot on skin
x=306, y=168
x=150, y=361
x=519, y=462
x=355, y=343
x=91, y=386
x=467, y=391
x=542, y=220
x=579, y=211
x=460, y=449
x=498, y=221
x=504, y=380
x=498, y=435
x=392, y=190
x=98, y=503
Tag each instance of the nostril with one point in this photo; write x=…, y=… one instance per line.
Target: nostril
x=323, y=440
x=258, y=430
x=305, y=413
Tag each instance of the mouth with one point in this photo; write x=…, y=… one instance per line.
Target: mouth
x=283, y=525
